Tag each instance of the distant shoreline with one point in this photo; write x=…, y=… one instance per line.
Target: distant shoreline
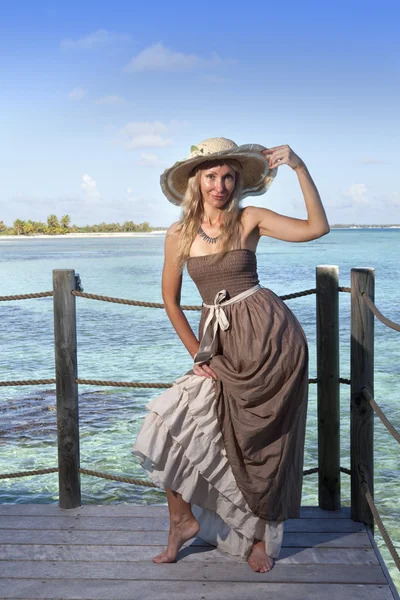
x=128, y=234
x=43, y=236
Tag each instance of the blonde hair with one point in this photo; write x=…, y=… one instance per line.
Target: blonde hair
x=193, y=212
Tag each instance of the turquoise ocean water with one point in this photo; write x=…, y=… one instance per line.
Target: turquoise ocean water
x=119, y=342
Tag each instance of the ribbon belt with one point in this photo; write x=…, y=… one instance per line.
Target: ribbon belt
x=217, y=318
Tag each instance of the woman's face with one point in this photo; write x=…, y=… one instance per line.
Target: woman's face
x=217, y=184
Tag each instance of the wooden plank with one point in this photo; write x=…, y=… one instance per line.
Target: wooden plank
x=65, y=348
x=362, y=375
x=87, y=553
x=379, y=557
x=327, y=281
x=159, y=524
x=324, y=540
x=67, y=589
x=142, y=538
x=186, y=571
x=133, y=510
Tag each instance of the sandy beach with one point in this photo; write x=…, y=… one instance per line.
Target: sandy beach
x=83, y=235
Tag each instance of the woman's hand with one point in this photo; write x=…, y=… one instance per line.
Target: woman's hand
x=204, y=370
x=282, y=155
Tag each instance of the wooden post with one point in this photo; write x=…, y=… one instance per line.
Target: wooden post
x=67, y=388
x=327, y=280
x=362, y=375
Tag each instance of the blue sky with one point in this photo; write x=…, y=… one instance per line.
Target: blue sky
x=97, y=98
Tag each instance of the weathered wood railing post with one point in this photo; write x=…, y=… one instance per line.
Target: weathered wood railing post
x=66, y=388
x=327, y=280
x=362, y=375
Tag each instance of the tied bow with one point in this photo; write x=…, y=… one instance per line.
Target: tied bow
x=217, y=313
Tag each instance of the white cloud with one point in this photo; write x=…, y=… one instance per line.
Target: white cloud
x=148, y=141
x=110, y=100
x=150, y=160
x=392, y=199
x=355, y=196
x=160, y=58
x=77, y=94
x=371, y=161
x=92, y=41
x=89, y=188
x=129, y=197
x=146, y=135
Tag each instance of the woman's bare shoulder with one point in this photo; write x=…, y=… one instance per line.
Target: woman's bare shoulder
x=172, y=239
x=174, y=229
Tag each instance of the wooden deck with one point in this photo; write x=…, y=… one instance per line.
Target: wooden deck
x=104, y=552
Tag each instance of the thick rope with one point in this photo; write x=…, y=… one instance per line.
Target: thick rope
x=378, y=314
x=133, y=384
x=129, y=302
x=142, y=482
x=316, y=469
x=381, y=415
x=100, y=382
x=299, y=294
x=342, y=288
x=145, y=304
x=343, y=380
x=160, y=305
x=27, y=473
x=311, y=471
x=26, y=296
x=344, y=470
x=131, y=480
x=381, y=527
x=28, y=382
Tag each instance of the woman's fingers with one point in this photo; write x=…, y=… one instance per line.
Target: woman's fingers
x=211, y=372
x=204, y=371
x=277, y=158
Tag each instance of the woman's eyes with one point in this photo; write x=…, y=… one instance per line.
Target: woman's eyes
x=211, y=176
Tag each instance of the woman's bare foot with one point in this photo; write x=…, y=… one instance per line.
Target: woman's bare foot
x=180, y=532
x=259, y=560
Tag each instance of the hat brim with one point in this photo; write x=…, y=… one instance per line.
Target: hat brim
x=257, y=176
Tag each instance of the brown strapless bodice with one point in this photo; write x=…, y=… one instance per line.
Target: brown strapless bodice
x=235, y=273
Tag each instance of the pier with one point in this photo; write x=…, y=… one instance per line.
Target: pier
x=92, y=552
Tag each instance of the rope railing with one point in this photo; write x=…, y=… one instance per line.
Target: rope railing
x=138, y=302
x=129, y=302
x=379, y=412
x=100, y=382
x=377, y=517
x=378, y=314
x=109, y=476
x=28, y=473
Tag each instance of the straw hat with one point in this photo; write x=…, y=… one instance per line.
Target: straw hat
x=257, y=176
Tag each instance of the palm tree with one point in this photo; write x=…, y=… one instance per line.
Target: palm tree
x=52, y=222
x=53, y=226
x=65, y=221
x=18, y=226
x=145, y=226
x=29, y=228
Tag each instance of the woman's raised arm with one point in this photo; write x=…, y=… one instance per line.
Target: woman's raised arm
x=285, y=228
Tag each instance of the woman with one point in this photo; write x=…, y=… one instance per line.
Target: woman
x=227, y=440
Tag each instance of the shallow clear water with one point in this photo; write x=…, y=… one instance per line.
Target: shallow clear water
x=139, y=344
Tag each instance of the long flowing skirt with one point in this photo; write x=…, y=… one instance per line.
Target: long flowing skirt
x=181, y=446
